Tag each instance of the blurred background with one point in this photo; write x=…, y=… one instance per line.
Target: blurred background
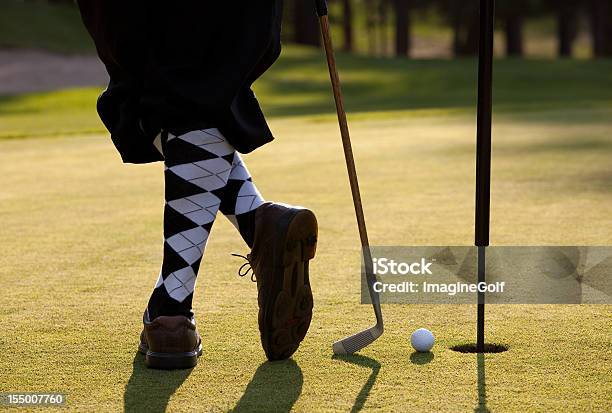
x=449, y=28
x=384, y=28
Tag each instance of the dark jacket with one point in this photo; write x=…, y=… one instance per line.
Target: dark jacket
x=182, y=65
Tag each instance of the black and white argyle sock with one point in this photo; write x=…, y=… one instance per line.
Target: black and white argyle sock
x=239, y=200
x=202, y=173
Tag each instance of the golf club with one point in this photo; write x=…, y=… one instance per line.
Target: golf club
x=357, y=341
x=483, y=154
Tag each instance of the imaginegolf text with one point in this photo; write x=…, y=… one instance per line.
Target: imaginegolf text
x=450, y=289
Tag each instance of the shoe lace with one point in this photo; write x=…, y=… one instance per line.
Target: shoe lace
x=246, y=267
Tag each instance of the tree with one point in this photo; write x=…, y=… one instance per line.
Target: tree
x=463, y=17
x=513, y=27
x=601, y=27
x=371, y=9
x=403, y=38
x=465, y=28
x=347, y=25
x=376, y=25
x=566, y=26
x=306, y=27
x=511, y=14
x=566, y=13
x=383, y=22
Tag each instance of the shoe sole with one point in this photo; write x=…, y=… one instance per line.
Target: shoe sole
x=170, y=361
x=285, y=317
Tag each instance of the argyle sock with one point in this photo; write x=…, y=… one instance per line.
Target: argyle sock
x=203, y=173
x=239, y=200
x=197, y=167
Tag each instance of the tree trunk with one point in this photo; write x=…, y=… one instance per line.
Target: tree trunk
x=384, y=27
x=465, y=20
x=370, y=8
x=473, y=38
x=306, y=24
x=402, y=28
x=514, y=35
x=566, y=30
x=465, y=41
x=347, y=25
x=456, y=38
x=601, y=28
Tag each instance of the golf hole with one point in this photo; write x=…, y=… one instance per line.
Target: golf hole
x=488, y=348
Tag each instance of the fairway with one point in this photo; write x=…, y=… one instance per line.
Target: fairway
x=81, y=250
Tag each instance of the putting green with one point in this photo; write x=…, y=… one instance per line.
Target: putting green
x=81, y=248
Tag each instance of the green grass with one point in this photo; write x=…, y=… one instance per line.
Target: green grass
x=81, y=248
x=56, y=28
x=299, y=85
x=81, y=239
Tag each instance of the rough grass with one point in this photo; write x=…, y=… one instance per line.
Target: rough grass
x=81, y=249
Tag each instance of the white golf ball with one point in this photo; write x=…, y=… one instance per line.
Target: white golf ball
x=422, y=340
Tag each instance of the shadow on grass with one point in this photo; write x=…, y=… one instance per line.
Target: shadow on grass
x=482, y=387
x=275, y=387
x=421, y=358
x=362, y=361
x=150, y=390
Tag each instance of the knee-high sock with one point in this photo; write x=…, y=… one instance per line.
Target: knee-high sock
x=198, y=166
x=239, y=200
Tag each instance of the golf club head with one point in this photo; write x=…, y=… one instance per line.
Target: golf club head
x=356, y=342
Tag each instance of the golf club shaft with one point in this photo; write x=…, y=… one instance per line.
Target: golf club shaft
x=483, y=153
x=321, y=6
x=344, y=132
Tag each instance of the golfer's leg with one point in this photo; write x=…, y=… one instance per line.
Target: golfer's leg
x=198, y=165
x=239, y=200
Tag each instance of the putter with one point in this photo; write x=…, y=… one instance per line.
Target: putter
x=357, y=341
x=483, y=155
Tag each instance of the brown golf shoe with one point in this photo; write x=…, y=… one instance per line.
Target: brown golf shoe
x=285, y=240
x=170, y=342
